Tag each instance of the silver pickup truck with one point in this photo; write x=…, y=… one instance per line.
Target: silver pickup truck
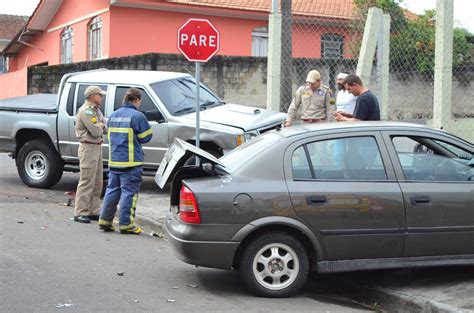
x=39, y=130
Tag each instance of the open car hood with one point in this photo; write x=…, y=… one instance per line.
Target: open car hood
x=178, y=153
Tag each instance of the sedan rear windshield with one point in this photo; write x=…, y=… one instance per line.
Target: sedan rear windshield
x=179, y=95
x=248, y=151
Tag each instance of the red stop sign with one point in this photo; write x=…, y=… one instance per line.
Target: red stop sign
x=198, y=40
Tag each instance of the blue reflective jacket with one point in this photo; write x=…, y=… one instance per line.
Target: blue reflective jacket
x=128, y=130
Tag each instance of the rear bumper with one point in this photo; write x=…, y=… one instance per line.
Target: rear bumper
x=213, y=254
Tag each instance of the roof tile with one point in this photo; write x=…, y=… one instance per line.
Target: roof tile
x=10, y=25
x=325, y=8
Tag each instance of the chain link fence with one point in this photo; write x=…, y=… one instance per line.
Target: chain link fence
x=332, y=45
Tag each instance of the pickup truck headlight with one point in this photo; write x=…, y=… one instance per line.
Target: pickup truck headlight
x=240, y=139
x=246, y=137
x=250, y=135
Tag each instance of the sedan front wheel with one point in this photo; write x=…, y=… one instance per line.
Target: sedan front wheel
x=274, y=264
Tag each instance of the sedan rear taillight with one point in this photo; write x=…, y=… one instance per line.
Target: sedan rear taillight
x=188, y=207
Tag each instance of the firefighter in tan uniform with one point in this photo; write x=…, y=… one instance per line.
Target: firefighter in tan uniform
x=316, y=102
x=90, y=128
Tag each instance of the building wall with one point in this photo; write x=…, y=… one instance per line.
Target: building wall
x=47, y=45
x=235, y=79
x=243, y=80
x=138, y=31
x=306, y=39
x=13, y=84
x=132, y=31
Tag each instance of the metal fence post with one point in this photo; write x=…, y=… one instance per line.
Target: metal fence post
x=369, y=42
x=443, y=76
x=286, y=56
x=384, y=60
x=274, y=59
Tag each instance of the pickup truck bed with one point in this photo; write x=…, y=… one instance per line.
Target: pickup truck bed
x=42, y=102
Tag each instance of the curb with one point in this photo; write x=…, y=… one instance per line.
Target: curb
x=151, y=226
x=396, y=301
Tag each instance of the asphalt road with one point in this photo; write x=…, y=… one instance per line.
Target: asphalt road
x=48, y=263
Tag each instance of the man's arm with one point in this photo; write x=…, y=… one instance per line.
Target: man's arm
x=341, y=118
x=90, y=122
x=330, y=105
x=294, y=107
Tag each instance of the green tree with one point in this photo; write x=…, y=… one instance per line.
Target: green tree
x=413, y=48
x=392, y=7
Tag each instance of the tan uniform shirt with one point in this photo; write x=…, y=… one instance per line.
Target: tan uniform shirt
x=87, y=119
x=317, y=104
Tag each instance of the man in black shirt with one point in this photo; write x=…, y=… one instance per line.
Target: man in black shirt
x=367, y=106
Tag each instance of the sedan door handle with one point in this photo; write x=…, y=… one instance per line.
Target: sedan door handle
x=420, y=200
x=316, y=200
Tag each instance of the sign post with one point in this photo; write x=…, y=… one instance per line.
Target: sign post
x=198, y=41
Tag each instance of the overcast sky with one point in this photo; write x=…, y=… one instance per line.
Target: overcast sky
x=463, y=9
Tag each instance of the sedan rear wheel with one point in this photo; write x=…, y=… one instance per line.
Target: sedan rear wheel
x=274, y=264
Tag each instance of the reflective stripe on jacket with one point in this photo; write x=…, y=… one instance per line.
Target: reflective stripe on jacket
x=128, y=130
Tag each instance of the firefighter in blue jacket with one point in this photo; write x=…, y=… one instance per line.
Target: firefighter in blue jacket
x=128, y=130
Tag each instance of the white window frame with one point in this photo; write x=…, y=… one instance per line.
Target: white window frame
x=94, y=30
x=67, y=37
x=260, y=42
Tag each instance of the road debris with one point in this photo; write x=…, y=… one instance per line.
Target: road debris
x=20, y=222
x=65, y=305
x=121, y=273
x=193, y=286
x=156, y=234
x=171, y=300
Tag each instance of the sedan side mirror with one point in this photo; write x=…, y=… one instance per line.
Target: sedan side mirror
x=154, y=115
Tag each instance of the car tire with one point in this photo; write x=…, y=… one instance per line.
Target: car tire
x=278, y=252
x=39, y=164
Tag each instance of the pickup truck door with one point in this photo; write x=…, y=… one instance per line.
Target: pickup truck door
x=66, y=120
x=79, y=100
x=154, y=150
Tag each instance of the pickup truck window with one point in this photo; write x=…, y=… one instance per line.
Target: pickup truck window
x=179, y=95
x=147, y=103
x=81, y=98
x=70, y=100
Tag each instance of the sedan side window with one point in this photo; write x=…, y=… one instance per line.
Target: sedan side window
x=300, y=165
x=426, y=159
x=352, y=158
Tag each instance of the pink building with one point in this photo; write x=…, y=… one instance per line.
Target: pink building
x=66, y=31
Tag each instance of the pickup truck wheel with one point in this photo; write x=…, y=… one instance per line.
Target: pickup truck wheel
x=39, y=165
x=275, y=265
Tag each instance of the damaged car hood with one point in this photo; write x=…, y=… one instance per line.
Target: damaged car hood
x=240, y=116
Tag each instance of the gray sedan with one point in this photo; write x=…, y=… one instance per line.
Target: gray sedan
x=331, y=197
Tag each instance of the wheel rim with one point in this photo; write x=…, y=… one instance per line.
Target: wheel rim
x=36, y=165
x=276, y=266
